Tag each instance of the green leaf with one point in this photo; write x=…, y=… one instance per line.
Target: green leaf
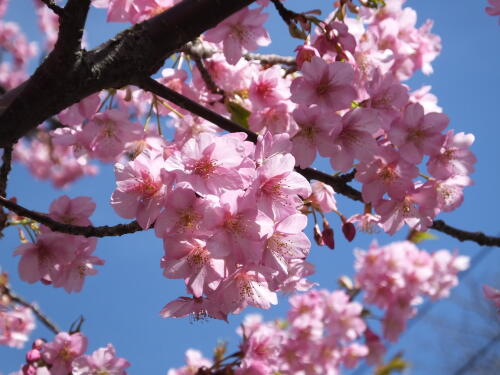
x=417, y=237
x=397, y=364
x=239, y=114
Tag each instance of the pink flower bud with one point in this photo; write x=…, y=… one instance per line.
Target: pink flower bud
x=349, y=231
x=318, y=237
x=327, y=235
x=33, y=355
x=38, y=344
x=305, y=53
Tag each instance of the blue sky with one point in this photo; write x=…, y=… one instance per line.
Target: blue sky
x=121, y=303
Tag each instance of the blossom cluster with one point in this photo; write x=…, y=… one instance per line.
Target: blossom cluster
x=396, y=277
x=61, y=259
x=66, y=355
x=228, y=212
x=323, y=329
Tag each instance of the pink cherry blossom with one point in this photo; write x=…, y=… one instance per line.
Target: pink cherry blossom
x=16, y=324
x=493, y=295
x=269, y=87
x=454, y=158
x=193, y=262
x=140, y=191
x=194, y=361
x=246, y=286
x=328, y=85
x=81, y=111
x=386, y=173
x=43, y=259
x=238, y=228
x=61, y=352
x=182, y=215
x=103, y=360
x=353, y=139
x=418, y=134
x=72, y=211
x=305, y=53
x=106, y=134
x=240, y=32
x=209, y=164
x=71, y=275
x=286, y=243
x=315, y=126
x=278, y=187
x=322, y=197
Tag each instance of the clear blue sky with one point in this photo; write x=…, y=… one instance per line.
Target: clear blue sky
x=121, y=303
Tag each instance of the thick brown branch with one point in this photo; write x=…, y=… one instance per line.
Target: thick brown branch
x=66, y=78
x=4, y=175
x=5, y=169
x=86, y=231
x=4, y=289
x=463, y=235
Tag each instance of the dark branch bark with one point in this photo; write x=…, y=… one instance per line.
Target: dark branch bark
x=205, y=75
x=67, y=77
x=149, y=84
x=5, y=169
x=54, y=7
x=462, y=235
x=77, y=230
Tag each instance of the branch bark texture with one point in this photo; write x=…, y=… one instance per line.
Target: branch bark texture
x=70, y=74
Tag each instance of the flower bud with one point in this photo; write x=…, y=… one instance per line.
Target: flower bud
x=33, y=355
x=327, y=235
x=38, y=344
x=349, y=230
x=305, y=53
x=318, y=237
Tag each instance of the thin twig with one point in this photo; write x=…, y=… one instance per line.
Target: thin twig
x=33, y=307
x=86, y=231
x=207, y=78
x=205, y=51
x=463, y=235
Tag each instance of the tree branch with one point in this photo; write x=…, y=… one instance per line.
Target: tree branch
x=77, y=230
x=54, y=7
x=5, y=169
x=4, y=175
x=463, y=235
x=205, y=75
x=339, y=183
x=205, y=51
x=66, y=78
x=149, y=84
x=4, y=289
